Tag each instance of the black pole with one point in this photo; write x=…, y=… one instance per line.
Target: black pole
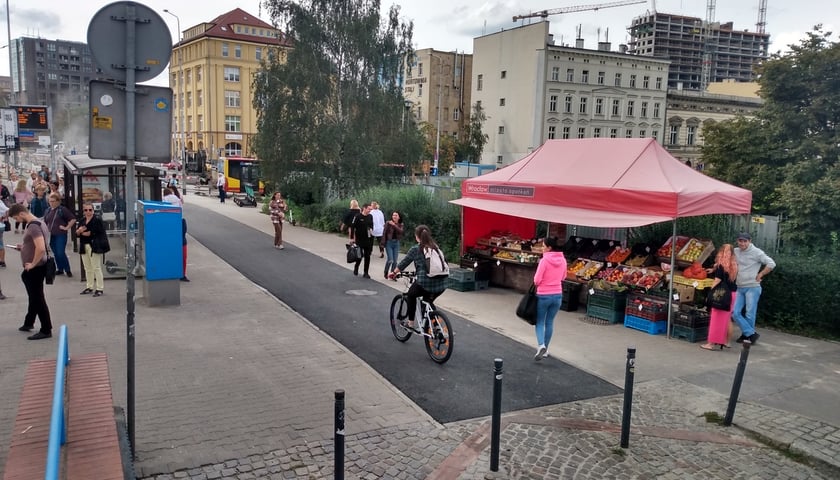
x=629, y=372
x=495, y=426
x=736, y=384
x=339, y=435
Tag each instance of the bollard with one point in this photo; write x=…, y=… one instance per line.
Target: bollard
x=339, y=435
x=736, y=384
x=629, y=372
x=496, y=421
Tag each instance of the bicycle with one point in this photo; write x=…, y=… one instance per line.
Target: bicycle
x=433, y=324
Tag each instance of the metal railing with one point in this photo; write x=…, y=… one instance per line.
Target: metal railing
x=58, y=424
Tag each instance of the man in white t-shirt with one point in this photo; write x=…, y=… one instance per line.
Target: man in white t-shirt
x=378, y=226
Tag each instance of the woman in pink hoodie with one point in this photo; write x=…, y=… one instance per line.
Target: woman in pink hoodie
x=549, y=281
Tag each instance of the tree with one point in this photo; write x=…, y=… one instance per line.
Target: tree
x=474, y=138
x=789, y=154
x=446, y=159
x=332, y=110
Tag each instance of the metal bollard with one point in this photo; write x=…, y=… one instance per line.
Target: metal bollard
x=339, y=435
x=495, y=426
x=629, y=372
x=736, y=384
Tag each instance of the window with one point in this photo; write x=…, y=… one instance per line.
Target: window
x=617, y=79
x=199, y=97
x=479, y=82
x=600, y=78
x=613, y=132
x=420, y=69
x=581, y=132
x=233, y=149
x=232, y=98
x=456, y=114
x=690, y=134
x=568, y=104
x=599, y=106
x=551, y=131
x=616, y=107
x=189, y=123
x=500, y=160
x=224, y=49
x=501, y=102
x=633, y=81
x=420, y=90
x=658, y=83
x=201, y=123
x=233, y=123
x=552, y=103
x=555, y=74
x=570, y=75
x=596, y=132
x=642, y=133
x=231, y=74
x=646, y=82
x=565, y=133
x=584, y=76
x=501, y=129
x=630, y=105
x=644, y=110
x=197, y=74
x=504, y=73
x=258, y=53
x=419, y=112
x=674, y=134
x=628, y=133
x=656, y=110
x=237, y=51
x=189, y=76
x=189, y=99
x=655, y=135
x=582, y=104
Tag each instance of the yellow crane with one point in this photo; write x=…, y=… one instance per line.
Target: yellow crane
x=577, y=8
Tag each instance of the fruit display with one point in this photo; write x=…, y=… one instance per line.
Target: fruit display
x=696, y=270
x=648, y=280
x=611, y=274
x=632, y=276
x=693, y=250
x=504, y=255
x=618, y=255
x=590, y=270
x=576, y=267
x=665, y=250
x=638, y=260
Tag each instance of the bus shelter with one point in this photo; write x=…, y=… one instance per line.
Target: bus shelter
x=102, y=183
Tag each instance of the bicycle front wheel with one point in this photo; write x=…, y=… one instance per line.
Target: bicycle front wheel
x=440, y=339
x=399, y=314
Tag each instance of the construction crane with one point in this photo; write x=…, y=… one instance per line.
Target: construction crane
x=708, y=46
x=577, y=8
x=762, y=16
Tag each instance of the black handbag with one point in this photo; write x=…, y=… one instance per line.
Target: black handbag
x=720, y=297
x=527, y=308
x=99, y=243
x=49, y=276
x=354, y=253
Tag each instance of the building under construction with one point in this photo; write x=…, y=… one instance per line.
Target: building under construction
x=692, y=44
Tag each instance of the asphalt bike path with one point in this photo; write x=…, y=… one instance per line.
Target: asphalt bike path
x=354, y=311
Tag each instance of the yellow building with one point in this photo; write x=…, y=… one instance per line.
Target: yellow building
x=211, y=76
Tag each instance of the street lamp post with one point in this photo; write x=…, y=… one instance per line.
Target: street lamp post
x=181, y=100
x=440, y=91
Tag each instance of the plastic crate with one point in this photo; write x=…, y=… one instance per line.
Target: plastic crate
x=653, y=328
x=482, y=284
x=462, y=274
x=691, y=319
x=612, y=316
x=570, y=305
x=689, y=334
x=611, y=299
x=647, y=313
x=460, y=286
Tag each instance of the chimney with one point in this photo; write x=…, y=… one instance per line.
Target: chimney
x=622, y=48
x=551, y=39
x=578, y=43
x=604, y=46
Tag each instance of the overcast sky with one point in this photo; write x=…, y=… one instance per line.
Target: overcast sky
x=447, y=24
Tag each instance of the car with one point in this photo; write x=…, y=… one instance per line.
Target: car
x=172, y=165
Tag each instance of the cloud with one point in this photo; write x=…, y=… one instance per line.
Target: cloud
x=37, y=22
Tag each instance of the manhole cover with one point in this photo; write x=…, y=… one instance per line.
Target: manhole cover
x=361, y=293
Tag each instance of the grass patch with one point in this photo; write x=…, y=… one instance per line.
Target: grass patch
x=713, y=417
x=619, y=451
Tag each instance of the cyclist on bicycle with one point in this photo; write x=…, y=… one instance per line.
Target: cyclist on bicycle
x=424, y=286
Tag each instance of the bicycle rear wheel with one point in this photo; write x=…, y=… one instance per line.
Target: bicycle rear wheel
x=440, y=341
x=399, y=313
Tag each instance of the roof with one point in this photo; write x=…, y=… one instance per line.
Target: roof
x=223, y=26
x=602, y=182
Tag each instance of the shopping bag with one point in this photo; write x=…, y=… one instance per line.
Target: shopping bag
x=720, y=297
x=527, y=308
x=354, y=253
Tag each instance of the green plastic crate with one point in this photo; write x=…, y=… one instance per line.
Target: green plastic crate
x=462, y=274
x=608, y=299
x=612, y=316
x=460, y=286
x=690, y=334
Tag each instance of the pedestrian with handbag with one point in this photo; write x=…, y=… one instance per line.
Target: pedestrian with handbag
x=361, y=233
x=725, y=272
x=93, y=245
x=548, y=279
x=277, y=209
x=33, y=255
x=60, y=221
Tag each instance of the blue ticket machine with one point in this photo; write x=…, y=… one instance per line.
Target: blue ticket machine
x=159, y=251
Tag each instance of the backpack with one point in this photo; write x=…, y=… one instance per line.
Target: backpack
x=4, y=192
x=436, y=265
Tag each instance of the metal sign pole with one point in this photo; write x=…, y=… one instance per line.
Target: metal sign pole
x=130, y=210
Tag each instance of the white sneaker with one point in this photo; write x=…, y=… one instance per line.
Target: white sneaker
x=545, y=355
x=540, y=353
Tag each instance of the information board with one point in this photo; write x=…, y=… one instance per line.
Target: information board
x=32, y=117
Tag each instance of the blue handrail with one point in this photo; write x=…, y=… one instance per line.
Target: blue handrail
x=58, y=426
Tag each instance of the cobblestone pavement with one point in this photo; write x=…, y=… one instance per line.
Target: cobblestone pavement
x=670, y=438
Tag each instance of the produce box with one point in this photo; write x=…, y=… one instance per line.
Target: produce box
x=653, y=328
x=664, y=252
x=611, y=275
x=693, y=318
x=610, y=315
x=695, y=251
x=611, y=299
x=698, y=284
x=648, y=308
x=482, y=284
x=649, y=280
x=686, y=292
x=689, y=334
x=575, y=267
x=641, y=260
x=618, y=255
x=590, y=270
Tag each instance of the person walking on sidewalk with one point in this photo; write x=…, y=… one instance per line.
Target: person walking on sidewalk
x=221, y=184
x=33, y=256
x=277, y=209
x=348, y=217
x=378, y=226
x=548, y=278
x=725, y=270
x=753, y=266
x=4, y=217
x=391, y=240
x=361, y=233
x=60, y=221
x=90, y=233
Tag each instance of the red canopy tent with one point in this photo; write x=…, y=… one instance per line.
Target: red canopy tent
x=598, y=182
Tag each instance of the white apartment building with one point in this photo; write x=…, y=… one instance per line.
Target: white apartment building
x=532, y=90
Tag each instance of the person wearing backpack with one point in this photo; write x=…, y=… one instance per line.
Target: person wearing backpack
x=430, y=268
